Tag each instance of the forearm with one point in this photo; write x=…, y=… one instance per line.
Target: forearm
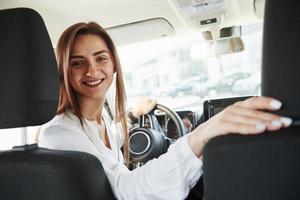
x=197, y=141
x=177, y=171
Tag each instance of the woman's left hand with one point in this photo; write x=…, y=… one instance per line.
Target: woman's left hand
x=244, y=117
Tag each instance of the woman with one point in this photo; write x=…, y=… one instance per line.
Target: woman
x=88, y=61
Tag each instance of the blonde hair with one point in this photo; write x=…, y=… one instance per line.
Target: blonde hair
x=68, y=100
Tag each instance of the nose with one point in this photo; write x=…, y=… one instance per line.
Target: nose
x=91, y=70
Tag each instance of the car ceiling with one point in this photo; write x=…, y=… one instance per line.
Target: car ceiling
x=59, y=14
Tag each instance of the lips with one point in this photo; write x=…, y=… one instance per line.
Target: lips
x=93, y=83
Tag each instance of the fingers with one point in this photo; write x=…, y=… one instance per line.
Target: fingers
x=152, y=104
x=149, y=105
x=260, y=103
x=238, y=110
x=268, y=117
x=223, y=124
x=247, y=117
x=244, y=117
x=144, y=106
x=249, y=106
x=243, y=128
x=240, y=123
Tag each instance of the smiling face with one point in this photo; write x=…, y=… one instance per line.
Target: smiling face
x=87, y=61
x=91, y=67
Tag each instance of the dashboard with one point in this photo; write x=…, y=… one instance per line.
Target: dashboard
x=190, y=121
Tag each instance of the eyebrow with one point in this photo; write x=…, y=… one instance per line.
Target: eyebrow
x=94, y=54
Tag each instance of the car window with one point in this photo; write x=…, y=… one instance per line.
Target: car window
x=14, y=137
x=9, y=138
x=178, y=72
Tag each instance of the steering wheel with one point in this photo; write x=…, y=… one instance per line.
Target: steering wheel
x=149, y=139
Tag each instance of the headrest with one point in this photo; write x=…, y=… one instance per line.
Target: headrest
x=281, y=55
x=28, y=70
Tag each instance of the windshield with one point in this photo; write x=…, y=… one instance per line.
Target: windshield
x=178, y=73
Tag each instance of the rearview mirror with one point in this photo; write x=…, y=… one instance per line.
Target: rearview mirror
x=216, y=47
x=225, y=46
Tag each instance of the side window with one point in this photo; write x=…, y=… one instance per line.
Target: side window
x=13, y=137
x=9, y=138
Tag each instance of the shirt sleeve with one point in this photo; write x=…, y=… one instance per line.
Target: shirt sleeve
x=171, y=176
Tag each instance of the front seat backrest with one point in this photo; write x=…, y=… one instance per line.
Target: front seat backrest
x=29, y=85
x=264, y=166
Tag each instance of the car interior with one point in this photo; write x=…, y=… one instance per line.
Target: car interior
x=194, y=57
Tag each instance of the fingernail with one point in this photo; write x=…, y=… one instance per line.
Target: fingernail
x=275, y=104
x=286, y=121
x=276, y=123
x=260, y=127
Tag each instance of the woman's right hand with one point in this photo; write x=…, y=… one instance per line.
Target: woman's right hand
x=244, y=117
x=143, y=107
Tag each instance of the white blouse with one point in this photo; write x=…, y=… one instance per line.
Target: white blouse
x=171, y=176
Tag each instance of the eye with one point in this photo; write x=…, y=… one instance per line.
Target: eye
x=102, y=58
x=77, y=63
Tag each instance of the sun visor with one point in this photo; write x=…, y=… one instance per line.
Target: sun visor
x=141, y=31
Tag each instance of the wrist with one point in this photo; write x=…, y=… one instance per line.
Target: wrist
x=132, y=117
x=197, y=140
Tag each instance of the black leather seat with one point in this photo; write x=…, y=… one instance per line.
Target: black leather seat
x=265, y=166
x=29, y=94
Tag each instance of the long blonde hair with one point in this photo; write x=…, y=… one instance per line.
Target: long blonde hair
x=68, y=100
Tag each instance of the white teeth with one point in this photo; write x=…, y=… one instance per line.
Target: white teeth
x=94, y=82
